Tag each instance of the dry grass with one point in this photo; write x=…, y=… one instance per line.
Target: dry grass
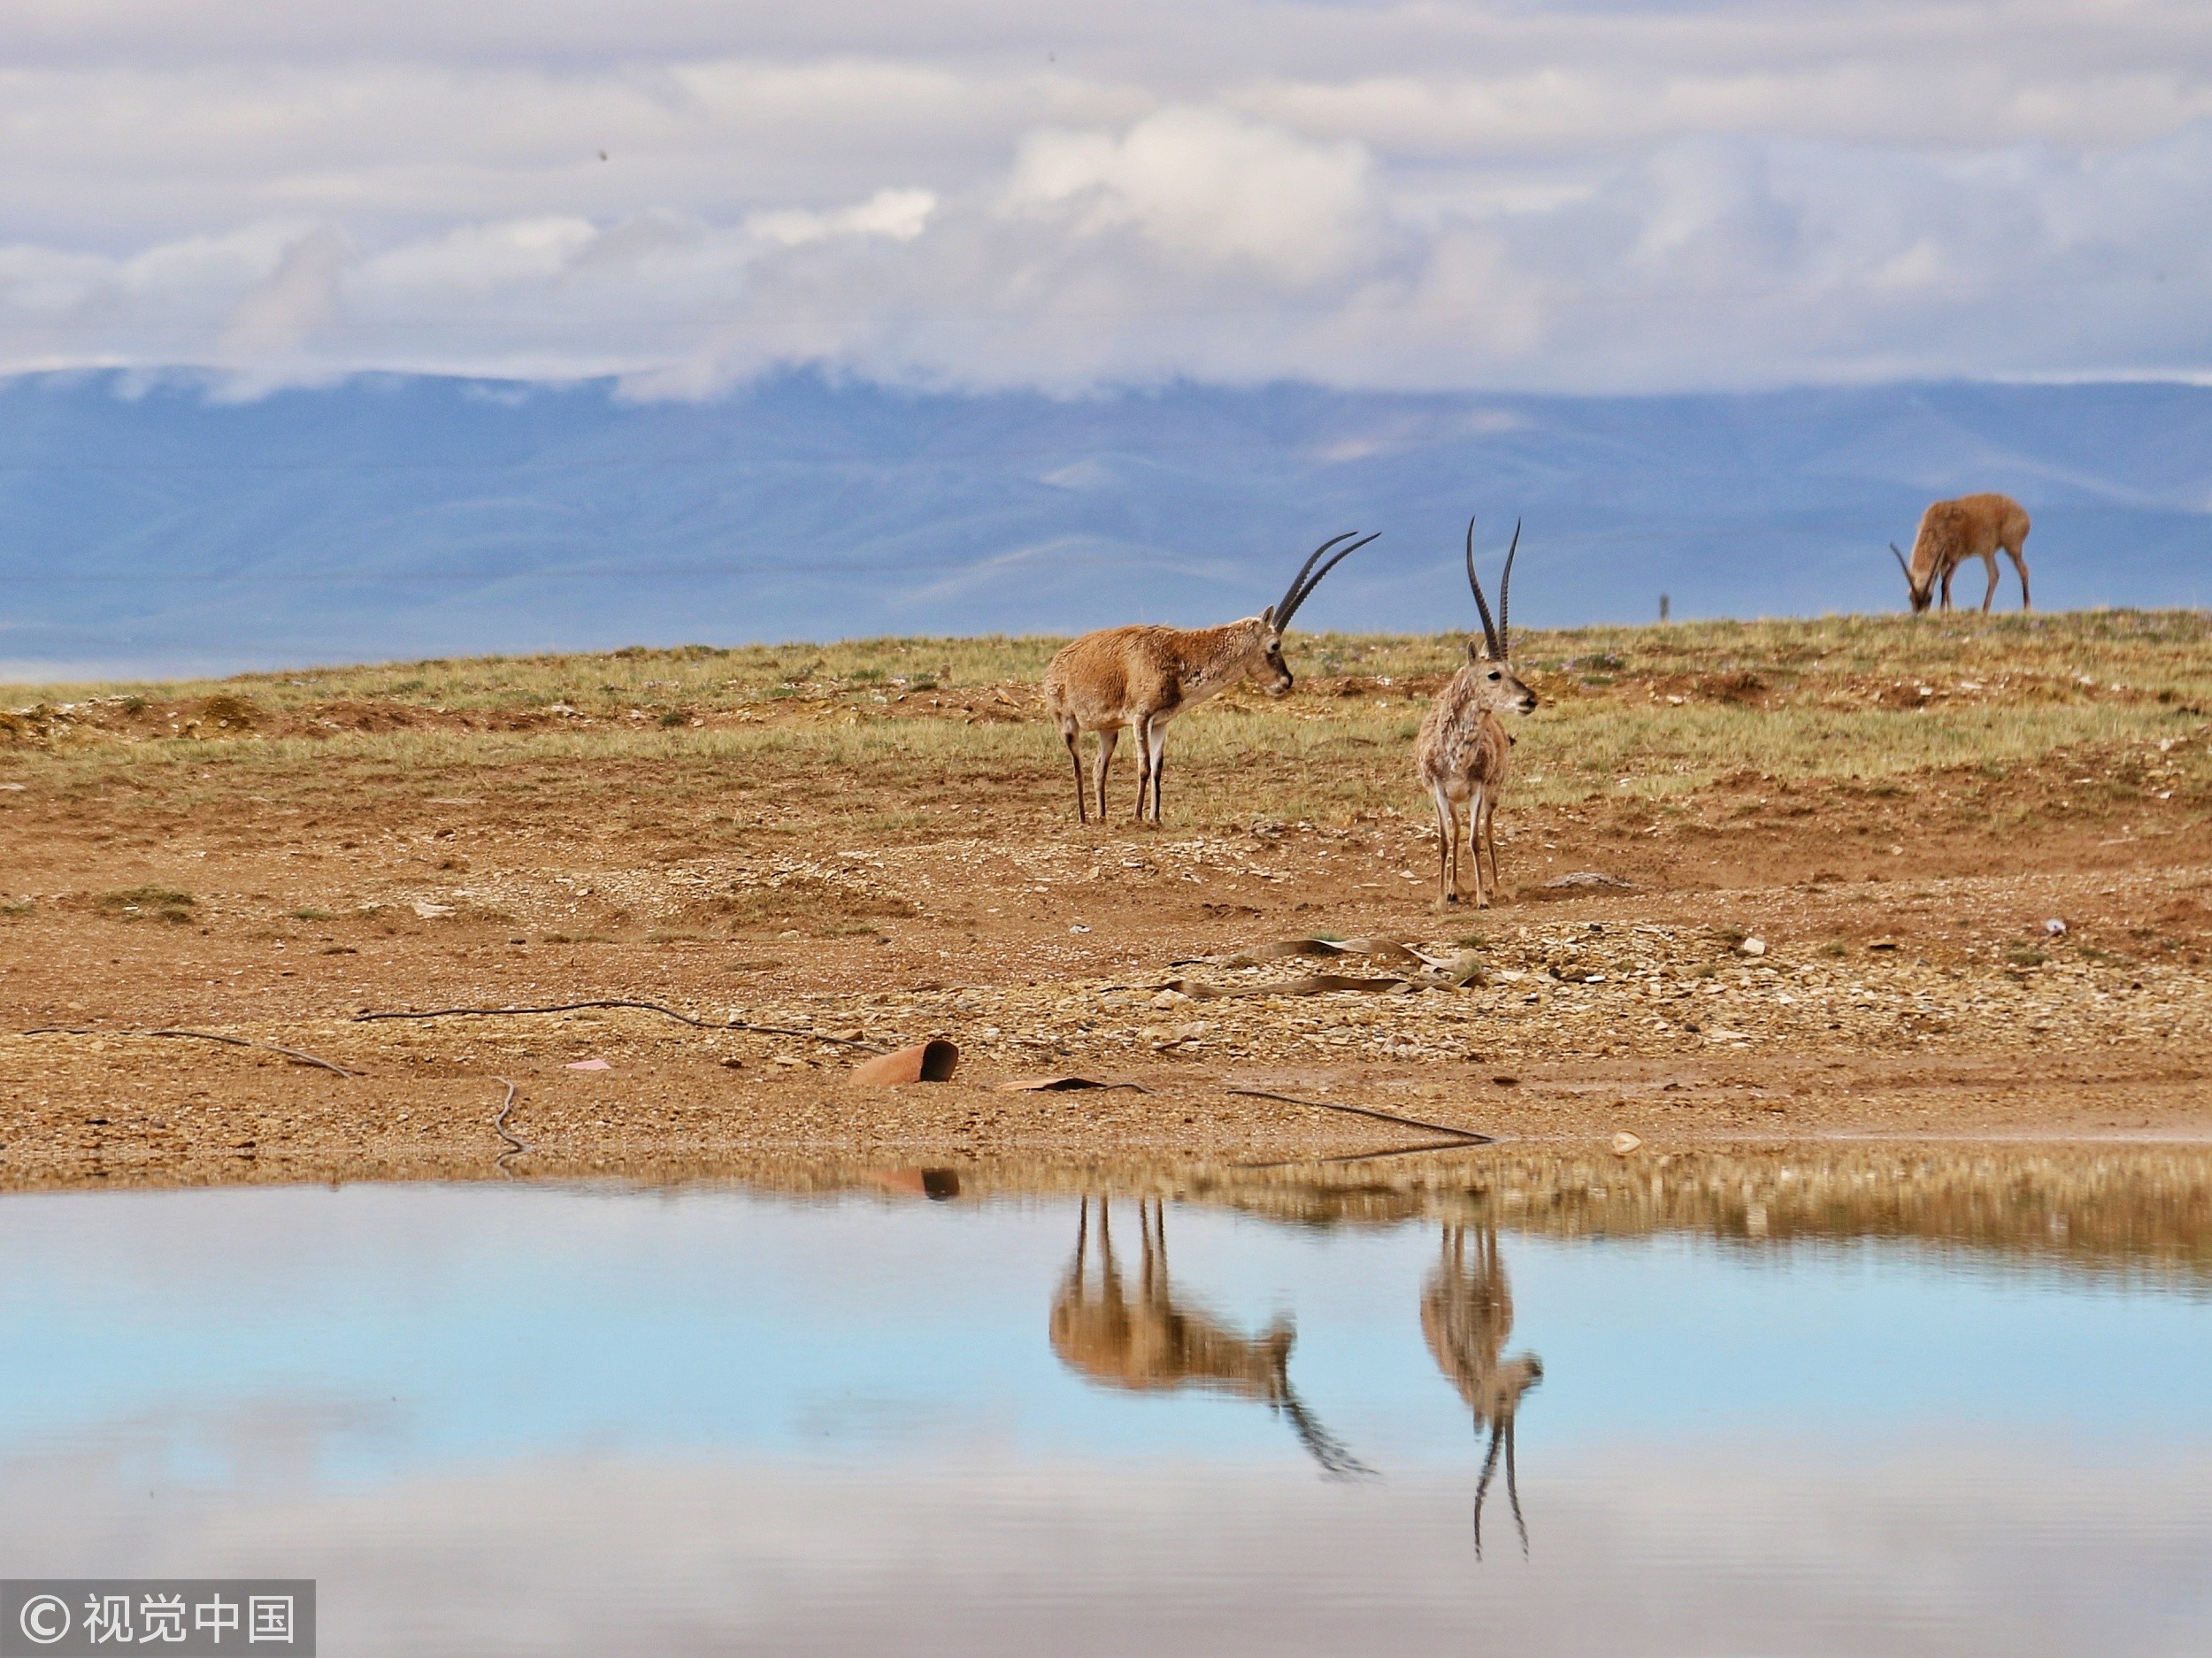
x=918, y=731
x=2152, y=650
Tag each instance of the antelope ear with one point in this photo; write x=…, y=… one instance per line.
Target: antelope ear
x=1268, y=618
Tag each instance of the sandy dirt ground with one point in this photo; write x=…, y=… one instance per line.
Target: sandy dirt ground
x=1953, y=952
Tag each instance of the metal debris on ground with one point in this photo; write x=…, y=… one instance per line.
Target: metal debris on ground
x=1061, y=1085
x=924, y=1062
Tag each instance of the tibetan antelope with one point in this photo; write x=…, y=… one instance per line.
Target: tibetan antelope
x=1466, y=1315
x=1148, y=1344
x=1951, y=533
x=1140, y=678
x=1464, y=752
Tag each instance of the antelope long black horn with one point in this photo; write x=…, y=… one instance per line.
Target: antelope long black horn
x=1901, y=565
x=1302, y=588
x=1290, y=594
x=1505, y=596
x=1489, y=628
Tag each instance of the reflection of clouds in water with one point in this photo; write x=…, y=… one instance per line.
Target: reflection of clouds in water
x=684, y=1422
x=1920, y=1546
x=264, y=1441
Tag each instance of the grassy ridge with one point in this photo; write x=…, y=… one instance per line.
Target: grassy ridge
x=2156, y=650
x=917, y=729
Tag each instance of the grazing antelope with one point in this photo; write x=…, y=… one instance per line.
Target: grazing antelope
x=1464, y=752
x=1150, y=1344
x=1951, y=533
x=1466, y=1313
x=1142, y=677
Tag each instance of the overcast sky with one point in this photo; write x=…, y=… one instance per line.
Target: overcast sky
x=1575, y=197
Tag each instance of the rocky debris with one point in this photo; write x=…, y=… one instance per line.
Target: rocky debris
x=1561, y=993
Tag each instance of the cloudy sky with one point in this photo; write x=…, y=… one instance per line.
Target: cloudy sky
x=1428, y=194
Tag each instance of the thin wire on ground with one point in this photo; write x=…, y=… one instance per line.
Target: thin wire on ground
x=366, y=1015
x=301, y=1055
x=1465, y=1136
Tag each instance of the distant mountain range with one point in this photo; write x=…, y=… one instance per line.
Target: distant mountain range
x=152, y=527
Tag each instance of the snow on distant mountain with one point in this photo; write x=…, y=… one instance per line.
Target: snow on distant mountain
x=150, y=528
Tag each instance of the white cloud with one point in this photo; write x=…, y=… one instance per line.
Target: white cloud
x=901, y=215
x=300, y=297
x=1458, y=195
x=1207, y=186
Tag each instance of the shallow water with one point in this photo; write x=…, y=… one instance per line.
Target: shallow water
x=1771, y=1406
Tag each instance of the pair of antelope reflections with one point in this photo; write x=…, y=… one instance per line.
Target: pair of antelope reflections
x=1135, y=1335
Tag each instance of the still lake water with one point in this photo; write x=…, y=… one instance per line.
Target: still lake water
x=1947, y=1403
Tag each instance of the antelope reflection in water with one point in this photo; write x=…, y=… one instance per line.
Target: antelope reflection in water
x=1467, y=1314
x=1148, y=1344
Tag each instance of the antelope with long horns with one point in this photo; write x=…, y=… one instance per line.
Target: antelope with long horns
x=1464, y=753
x=1140, y=678
x=1951, y=533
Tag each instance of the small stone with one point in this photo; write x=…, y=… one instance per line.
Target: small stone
x=1170, y=999
x=2055, y=928
x=1753, y=946
x=1625, y=1142
x=429, y=911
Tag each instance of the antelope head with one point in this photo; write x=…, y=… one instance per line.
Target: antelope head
x=1921, y=596
x=1498, y=687
x=1268, y=665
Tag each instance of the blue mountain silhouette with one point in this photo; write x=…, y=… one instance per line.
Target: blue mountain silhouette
x=153, y=527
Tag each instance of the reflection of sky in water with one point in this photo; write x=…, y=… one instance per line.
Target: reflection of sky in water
x=397, y=1330
x=500, y=1420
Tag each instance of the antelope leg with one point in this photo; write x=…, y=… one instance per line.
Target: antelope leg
x=1139, y=730
x=1157, y=756
x=1074, y=740
x=1107, y=740
x=1447, y=859
x=1476, y=812
x=1159, y=763
x=1490, y=835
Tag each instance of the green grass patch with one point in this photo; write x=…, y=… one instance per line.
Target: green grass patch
x=157, y=903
